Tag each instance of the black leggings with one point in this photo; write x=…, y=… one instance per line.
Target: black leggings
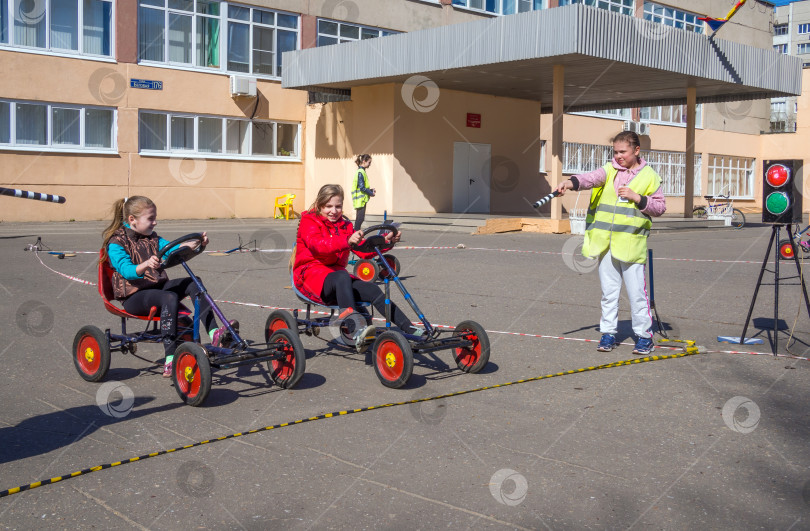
x=340, y=289
x=168, y=299
x=361, y=216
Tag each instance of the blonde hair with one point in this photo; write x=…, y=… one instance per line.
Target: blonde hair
x=121, y=210
x=325, y=194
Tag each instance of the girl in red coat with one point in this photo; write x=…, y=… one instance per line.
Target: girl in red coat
x=320, y=260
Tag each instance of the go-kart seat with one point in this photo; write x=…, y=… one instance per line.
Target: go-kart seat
x=303, y=298
x=105, y=289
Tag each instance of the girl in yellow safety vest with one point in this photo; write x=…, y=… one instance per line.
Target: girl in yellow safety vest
x=625, y=193
x=361, y=191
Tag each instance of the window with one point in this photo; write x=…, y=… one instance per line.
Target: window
x=216, y=137
x=671, y=166
x=670, y=114
x=257, y=38
x=500, y=7
x=803, y=48
x=780, y=48
x=333, y=32
x=187, y=33
x=780, y=29
x=803, y=28
x=731, y=175
x=672, y=17
x=75, y=27
x=623, y=114
x=56, y=127
x=625, y=7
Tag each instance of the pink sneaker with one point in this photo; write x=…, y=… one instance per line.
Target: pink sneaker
x=222, y=338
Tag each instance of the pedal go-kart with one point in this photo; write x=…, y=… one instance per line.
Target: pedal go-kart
x=371, y=269
x=193, y=361
x=392, y=350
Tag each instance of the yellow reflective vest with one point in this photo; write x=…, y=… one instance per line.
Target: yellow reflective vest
x=359, y=198
x=619, y=225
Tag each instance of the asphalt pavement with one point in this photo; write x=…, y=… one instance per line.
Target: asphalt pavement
x=709, y=441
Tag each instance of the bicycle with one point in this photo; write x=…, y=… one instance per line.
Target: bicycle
x=720, y=210
x=786, y=252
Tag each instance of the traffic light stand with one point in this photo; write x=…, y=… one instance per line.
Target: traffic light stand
x=774, y=242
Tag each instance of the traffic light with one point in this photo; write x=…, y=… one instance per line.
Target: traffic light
x=782, y=191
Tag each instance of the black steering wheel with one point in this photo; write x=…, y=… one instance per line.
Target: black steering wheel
x=183, y=254
x=377, y=241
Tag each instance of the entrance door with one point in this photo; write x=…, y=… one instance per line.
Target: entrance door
x=471, y=177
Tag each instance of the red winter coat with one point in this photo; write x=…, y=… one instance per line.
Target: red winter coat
x=321, y=247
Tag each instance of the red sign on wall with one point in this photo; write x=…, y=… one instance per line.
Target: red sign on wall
x=474, y=120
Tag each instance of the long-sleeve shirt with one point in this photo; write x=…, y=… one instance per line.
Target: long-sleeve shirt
x=653, y=205
x=122, y=262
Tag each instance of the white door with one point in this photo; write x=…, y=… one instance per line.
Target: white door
x=471, y=177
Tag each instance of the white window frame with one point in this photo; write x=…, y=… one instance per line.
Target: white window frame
x=781, y=29
x=724, y=178
x=196, y=153
x=803, y=47
x=501, y=7
x=224, y=23
x=615, y=6
x=49, y=146
x=342, y=39
x=655, y=113
x=48, y=48
x=611, y=114
x=803, y=28
x=670, y=16
x=780, y=48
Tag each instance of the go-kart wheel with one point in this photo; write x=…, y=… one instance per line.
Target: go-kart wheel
x=393, y=262
x=183, y=254
x=91, y=353
x=366, y=270
x=393, y=359
x=475, y=357
x=191, y=373
x=278, y=320
x=377, y=241
x=786, y=250
x=287, y=370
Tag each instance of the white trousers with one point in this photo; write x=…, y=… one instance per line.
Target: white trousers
x=611, y=274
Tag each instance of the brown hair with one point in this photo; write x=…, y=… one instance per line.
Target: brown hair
x=627, y=136
x=121, y=210
x=325, y=194
x=362, y=158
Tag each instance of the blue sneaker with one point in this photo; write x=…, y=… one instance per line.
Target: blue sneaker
x=644, y=345
x=607, y=343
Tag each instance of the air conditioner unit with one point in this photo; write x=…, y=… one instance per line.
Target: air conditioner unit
x=243, y=86
x=639, y=128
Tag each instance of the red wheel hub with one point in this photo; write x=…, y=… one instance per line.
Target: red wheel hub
x=365, y=270
x=786, y=250
x=284, y=367
x=390, y=360
x=468, y=356
x=187, y=374
x=89, y=355
x=277, y=324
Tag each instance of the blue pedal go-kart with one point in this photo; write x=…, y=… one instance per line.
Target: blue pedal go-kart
x=193, y=360
x=392, y=350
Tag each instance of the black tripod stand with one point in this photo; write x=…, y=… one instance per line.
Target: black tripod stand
x=775, y=238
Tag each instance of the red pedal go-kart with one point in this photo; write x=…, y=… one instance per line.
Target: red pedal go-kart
x=193, y=361
x=393, y=350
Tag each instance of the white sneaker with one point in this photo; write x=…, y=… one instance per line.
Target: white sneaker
x=363, y=338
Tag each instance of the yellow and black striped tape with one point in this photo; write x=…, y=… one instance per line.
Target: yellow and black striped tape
x=21, y=488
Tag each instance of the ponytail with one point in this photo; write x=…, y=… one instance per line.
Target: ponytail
x=361, y=159
x=121, y=210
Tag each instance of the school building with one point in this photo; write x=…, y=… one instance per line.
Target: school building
x=215, y=108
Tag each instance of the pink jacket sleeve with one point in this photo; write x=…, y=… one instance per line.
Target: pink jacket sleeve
x=656, y=204
x=592, y=179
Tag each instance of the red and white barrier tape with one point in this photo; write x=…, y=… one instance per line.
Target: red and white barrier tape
x=522, y=334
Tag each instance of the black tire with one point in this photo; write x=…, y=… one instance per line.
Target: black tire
x=700, y=212
x=91, y=353
x=366, y=270
x=286, y=372
x=279, y=319
x=392, y=358
x=191, y=373
x=786, y=251
x=476, y=357
x=737, y=218
x=393, y=262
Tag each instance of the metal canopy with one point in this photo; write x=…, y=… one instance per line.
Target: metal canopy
x=611, y=61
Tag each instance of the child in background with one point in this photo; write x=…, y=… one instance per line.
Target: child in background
x=132, y=246
x=360, y=190
x=624, y=194
x=320, y=259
